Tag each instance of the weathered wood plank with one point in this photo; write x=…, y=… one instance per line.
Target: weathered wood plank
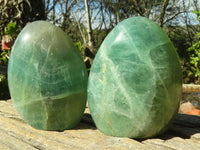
x=11, y=142
x=16, y=134
x=175, y=143
x=191, y=88
x=84, y=136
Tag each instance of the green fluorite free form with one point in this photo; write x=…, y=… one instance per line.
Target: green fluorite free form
x=135, y=82
x=47, y=77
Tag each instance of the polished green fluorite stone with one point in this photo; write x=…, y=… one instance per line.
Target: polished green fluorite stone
x=47, y=77
x=135, y=82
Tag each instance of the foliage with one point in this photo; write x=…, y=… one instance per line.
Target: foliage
x=194, y=52
x=21, y=12
x=104, y=15
x=79, y=46
x=12, y=29
x=4, y=92
x=198, y=14
x=183, y=37
x=180, y=39
x=4, y=57
x=100, y=35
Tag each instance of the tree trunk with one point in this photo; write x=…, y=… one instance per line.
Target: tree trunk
x=89, y=29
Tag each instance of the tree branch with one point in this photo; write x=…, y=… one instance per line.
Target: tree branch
x=164, y=6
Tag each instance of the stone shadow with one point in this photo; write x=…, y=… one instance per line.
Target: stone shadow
x=86, y=123
x=184, y=126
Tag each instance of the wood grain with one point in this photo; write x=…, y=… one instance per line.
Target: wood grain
x=15, y=134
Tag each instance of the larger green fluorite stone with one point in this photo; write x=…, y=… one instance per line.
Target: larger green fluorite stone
x=47, y=77
x=135, y=82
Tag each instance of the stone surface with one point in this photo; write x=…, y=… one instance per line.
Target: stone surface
x=135, y=82
x=47, y=77
x=186, y=107
x=194, y=112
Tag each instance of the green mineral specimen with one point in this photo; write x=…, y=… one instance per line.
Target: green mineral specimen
x=47, y=77
x=135, y=82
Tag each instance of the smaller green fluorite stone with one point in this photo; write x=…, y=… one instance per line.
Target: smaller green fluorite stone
x=47, y=77
x=135, y=82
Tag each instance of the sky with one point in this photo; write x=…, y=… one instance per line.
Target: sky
x=179, y=20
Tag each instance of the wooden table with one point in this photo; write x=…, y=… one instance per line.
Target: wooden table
x=15, y=134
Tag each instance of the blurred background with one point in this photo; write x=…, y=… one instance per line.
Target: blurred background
x=88, y=22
